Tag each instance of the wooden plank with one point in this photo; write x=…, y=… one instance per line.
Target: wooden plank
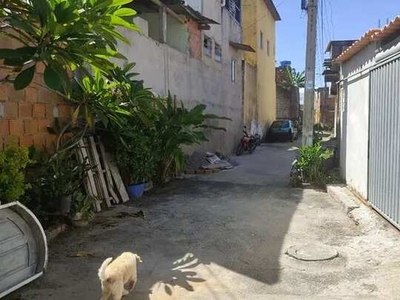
x=110, y=183
x=100, y=173
x=117, y=179
x=91, y=186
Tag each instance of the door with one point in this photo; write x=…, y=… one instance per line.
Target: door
x=18, y=250
x=384, y=140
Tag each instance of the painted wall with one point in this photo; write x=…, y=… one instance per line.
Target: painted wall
x=354, y=120
x=257, y=19
x=163, y=68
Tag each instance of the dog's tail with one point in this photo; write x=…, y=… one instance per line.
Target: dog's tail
x=102, y=270
x=138, y=258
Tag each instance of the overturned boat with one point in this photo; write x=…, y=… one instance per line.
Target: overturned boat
x=23, y=247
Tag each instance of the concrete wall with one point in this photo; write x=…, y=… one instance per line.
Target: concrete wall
x=354, y=120
x=250, y=105
x=256, y=19
x=192, y=80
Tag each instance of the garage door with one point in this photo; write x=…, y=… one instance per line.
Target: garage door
x=384, y=140
x=23, y=252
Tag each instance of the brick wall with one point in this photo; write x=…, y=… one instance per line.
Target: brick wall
x=195, y=40
x=287, y=103
x=25, y=114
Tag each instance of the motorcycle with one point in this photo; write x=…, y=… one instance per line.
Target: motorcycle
x=247, y=143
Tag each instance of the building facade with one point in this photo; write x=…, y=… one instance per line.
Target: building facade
x=193, y=50
x=369, y=91
x=258, y=22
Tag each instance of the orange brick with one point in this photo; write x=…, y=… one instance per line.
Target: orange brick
x=31, y=94
x=30, y=126
x=51, y=140
x=3, y=92
x=4, y=128
x=25, y=110
x=16, y=127
x=65, y=111
x=39, y=111
x=10, y=110
x=26, y=140
x=14, y=95
x=10, y=140
x=46, y=96
x=39, y=141
x=42, y=124
x=49, y=111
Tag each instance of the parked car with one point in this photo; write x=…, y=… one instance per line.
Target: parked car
x=283, y=129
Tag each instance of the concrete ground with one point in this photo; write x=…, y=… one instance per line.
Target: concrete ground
x=225, y=236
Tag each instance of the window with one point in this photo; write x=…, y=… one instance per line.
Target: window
x=218, y=52
x=268, y=48
x=207, y=46
x=233, y=70
x=261, y=41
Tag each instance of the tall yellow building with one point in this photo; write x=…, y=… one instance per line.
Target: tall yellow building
x=258, y=23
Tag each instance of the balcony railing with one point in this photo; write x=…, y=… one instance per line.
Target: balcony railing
x=234, y=9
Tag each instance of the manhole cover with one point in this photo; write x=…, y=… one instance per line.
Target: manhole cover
x=312, y=252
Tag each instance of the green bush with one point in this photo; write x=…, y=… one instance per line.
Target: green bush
x=13, y=161
x=135, y=158
x=176, y=126
x=309, y=167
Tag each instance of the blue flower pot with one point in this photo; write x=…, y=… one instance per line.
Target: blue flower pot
x=136, y=191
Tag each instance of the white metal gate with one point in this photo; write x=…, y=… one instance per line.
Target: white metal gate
x=384, y=140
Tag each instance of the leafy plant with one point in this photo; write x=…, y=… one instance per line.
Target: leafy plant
x=63, y=34
x=135, y=158
x=13, y=161
x=289, y=77
x=309, y=165
x=176, y=126
x=82, y=204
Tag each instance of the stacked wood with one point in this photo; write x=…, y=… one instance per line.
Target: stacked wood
x=104, y=182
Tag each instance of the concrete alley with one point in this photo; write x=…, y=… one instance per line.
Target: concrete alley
x=225, y=236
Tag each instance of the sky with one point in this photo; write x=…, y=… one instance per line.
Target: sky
x=342, y=20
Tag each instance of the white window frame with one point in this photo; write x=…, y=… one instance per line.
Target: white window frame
x=218, y=54
x=233, y=70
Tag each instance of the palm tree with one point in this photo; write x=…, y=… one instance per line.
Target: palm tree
x=293, y=78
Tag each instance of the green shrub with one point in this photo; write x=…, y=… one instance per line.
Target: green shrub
x=310, y=164
x=13, y=161
x=134, y=157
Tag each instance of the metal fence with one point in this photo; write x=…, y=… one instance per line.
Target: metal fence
x=384, y=140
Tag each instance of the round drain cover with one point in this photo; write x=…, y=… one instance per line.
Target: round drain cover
x=312, y=252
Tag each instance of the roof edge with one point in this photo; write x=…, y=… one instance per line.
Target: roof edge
x=272, y=8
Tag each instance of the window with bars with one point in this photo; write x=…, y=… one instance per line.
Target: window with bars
x=218, y=52
x=207, y=47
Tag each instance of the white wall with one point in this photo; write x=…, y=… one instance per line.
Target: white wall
x=354, y=120
x=163, y=68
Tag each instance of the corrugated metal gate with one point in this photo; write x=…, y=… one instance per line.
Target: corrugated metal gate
x=384, y=140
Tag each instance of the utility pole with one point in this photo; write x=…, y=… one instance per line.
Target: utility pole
x=309, y=94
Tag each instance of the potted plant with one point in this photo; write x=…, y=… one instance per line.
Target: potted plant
x=64, y=176
x=82, y=209
x=136, y=162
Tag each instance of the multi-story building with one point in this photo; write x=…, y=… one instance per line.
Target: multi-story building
x=194, y=50
x=258, y=23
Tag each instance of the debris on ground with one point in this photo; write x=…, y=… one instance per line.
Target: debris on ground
x=139, y=214
x=82, y=254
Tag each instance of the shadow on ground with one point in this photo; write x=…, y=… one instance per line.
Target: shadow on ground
x=210, y=238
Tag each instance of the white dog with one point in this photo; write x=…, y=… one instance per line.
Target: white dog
x=114, y=276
